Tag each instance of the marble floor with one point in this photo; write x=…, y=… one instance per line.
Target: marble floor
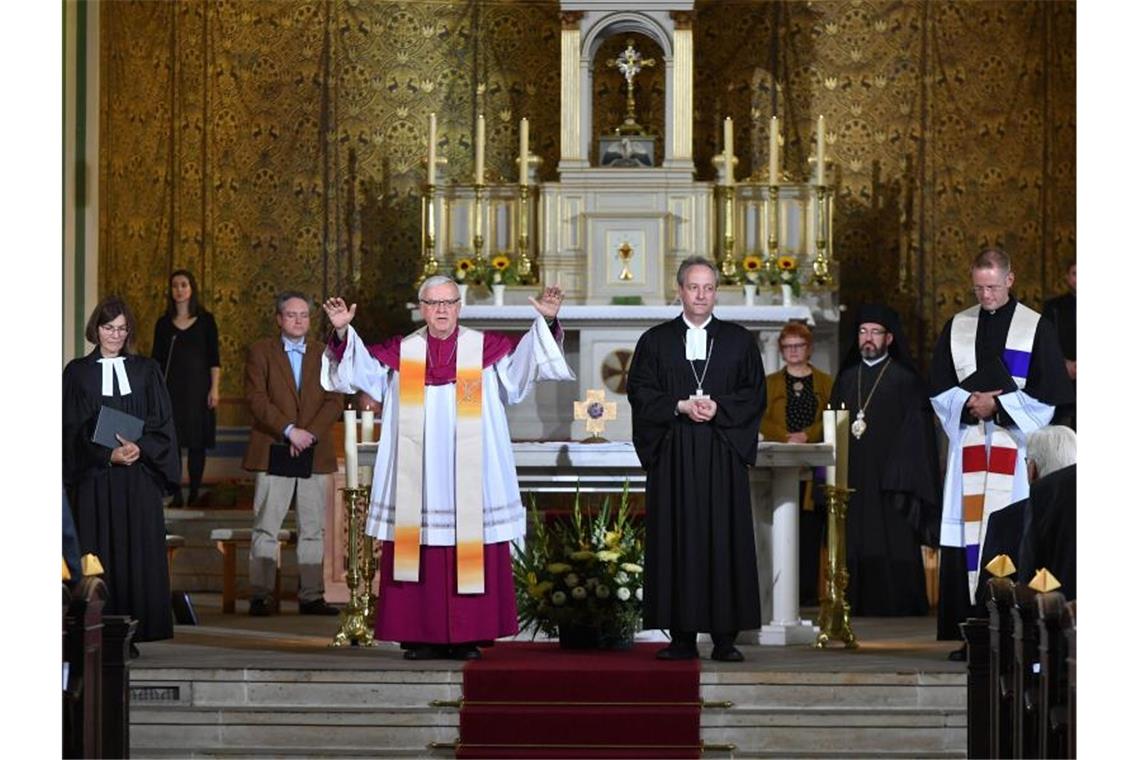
x=289, y=640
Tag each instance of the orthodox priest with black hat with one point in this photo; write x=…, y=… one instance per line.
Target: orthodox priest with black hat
x=696, y=386
x=996, y=376
x=892, y=467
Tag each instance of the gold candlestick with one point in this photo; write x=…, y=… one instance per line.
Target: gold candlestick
x=772, y=213
x=821, y=266
x=427, y=215
x=834, y=611
x=358, y=619
x=525, y=268
x=728, y=260
x=477, y=237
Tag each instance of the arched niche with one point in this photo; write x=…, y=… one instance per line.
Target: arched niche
x=595, y=31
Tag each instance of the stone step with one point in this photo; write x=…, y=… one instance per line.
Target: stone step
x=808, y=690
x=833, y=717
x=346, y=730
x=331, y=689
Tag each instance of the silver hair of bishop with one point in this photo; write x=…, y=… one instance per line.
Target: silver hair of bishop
x=431, y=282
x=1052, y=448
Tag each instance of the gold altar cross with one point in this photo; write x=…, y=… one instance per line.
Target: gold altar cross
x=595, y=411
x=629, y=64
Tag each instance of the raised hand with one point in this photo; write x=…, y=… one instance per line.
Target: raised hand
x=339, y=314
x=550, y=302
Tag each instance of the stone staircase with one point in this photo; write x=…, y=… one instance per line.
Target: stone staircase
x=249, y=712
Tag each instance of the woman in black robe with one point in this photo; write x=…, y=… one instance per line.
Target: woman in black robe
x=117, y=493
x=186, y=347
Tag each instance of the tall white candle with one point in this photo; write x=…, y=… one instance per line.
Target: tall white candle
x=728, y=173
x=773, y=151
x=431, y=150
x=480, y=137
x=367, y=425
x=350, y=458
x=524, y=150
x=829, y=437
x=842, y=439
x=819, y=150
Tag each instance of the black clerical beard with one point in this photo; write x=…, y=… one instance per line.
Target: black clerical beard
x=874, y=354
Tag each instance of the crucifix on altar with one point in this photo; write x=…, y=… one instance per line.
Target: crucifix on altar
x=595, y=411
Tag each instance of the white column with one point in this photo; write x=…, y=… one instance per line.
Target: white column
x=786, y=627
x=571, y=94
x=682, y=126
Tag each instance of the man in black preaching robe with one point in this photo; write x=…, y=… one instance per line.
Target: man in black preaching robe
x=997, y=375
x=696, y=386
x=892, y=467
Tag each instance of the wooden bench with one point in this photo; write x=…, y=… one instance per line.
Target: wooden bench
x=228, y=540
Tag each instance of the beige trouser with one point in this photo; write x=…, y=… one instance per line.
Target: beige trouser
x=272, y=495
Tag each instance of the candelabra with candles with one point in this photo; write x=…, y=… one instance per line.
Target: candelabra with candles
x=358, y=618
x=834, y=611
x=728, y=193
x=821, y=266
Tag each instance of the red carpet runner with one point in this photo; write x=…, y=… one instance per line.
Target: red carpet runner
x=537, y=700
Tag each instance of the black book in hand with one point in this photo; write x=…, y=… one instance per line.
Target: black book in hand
x=112, y=421
x=283, y=463
x=991, y=376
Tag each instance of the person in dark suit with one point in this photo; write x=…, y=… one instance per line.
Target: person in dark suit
x=289, y=406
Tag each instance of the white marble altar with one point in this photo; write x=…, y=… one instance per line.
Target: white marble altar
x=599, y=341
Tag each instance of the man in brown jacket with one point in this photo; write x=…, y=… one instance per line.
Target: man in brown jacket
x=289, y=407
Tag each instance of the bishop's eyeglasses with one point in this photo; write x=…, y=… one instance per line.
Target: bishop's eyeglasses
x=445, y=303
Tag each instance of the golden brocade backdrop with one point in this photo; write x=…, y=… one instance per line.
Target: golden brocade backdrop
x=267, y=145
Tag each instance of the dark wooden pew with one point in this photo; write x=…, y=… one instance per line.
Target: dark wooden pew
x=1000, y=607
x=1026, y=715
x=1053, y=681
x=976, y=632
x=83, y=697
x=1071, y=659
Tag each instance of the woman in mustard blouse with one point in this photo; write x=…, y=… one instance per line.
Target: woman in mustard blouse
x=797, y=396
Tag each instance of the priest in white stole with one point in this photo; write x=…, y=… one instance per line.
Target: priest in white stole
x=997, y=375
x=445, y=494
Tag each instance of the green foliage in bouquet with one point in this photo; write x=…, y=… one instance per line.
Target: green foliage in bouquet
x=586, y=571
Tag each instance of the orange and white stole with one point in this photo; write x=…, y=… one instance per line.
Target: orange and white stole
x=468, y=456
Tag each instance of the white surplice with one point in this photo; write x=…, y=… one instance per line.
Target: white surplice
x=537, y=357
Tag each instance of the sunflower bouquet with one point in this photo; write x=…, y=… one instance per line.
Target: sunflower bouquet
x=753, y=267
x=787, y=273
x=503, y=270
x=469, y=272
x=584, y=572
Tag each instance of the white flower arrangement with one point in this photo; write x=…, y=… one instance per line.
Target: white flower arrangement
x=585, y=572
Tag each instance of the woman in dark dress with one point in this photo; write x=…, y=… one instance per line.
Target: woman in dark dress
x=186, y=348
x=117, y=493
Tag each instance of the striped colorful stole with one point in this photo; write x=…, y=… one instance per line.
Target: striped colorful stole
x=468, y=456
x=987, y=477
x=987, y=485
